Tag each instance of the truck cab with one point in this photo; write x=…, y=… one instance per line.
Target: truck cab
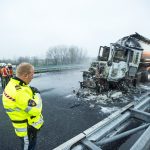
x=125, y=59
x=120, y=65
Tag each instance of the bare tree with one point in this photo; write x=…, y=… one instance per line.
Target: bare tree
x=52, y=54
x=23, y=59
x=57, y=55
x=35, y=61
x=64, y=55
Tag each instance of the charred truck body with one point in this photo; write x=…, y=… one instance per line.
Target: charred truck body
x=121, y=65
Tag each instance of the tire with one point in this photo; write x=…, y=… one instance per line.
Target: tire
x=144, y=76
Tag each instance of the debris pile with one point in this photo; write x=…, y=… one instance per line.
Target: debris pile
x=117, y=71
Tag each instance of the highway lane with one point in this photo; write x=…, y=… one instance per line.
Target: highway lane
x=63, y=118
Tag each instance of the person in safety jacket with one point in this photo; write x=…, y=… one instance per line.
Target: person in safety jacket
x=0, y=72
x=23, y=105
x=5, y=76
x=10, y=71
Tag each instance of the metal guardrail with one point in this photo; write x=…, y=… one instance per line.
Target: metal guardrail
x=57, y=68
x=110, y=129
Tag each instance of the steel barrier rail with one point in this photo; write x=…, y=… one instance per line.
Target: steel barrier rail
x=122, y=135
x=57, y=68
x=143, y=143
x=118, y=121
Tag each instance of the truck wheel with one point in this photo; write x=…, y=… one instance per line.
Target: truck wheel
x=144, y=76
x=138, y=78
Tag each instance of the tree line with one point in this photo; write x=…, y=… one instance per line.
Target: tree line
x=57, y=55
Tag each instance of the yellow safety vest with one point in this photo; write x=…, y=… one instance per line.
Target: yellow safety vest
x=16, y=98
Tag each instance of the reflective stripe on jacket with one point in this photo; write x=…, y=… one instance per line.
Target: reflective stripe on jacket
x=16, y=97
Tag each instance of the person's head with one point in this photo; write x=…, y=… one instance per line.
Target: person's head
x=25, y=72
x=3, y=65
x=9, y=66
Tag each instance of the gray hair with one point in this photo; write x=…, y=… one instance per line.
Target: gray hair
x=23, y=68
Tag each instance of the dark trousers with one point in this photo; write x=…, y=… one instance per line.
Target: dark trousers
x=4, y=82
x=29, y=143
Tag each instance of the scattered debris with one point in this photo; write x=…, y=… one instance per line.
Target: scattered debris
x=117, y=73
x=109, y=110
x=75, y=105
x=116, y=95
x=92, y=106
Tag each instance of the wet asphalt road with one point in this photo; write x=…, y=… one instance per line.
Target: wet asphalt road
x=64, y=116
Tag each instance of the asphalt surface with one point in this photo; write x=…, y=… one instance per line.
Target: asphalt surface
x=64, y=115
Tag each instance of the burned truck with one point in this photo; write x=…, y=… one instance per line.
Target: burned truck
x=120, y=66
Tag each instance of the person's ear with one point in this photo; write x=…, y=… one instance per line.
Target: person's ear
x=26, y=75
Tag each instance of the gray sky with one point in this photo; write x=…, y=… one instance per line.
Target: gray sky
x=30, y=27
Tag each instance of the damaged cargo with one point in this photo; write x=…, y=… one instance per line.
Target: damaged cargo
x=120, y=66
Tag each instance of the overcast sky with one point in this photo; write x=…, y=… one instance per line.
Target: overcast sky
x=30, y=27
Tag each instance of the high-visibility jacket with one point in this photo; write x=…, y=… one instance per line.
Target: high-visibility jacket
x=4, y=72
x=10, y=72
x=22, y=106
